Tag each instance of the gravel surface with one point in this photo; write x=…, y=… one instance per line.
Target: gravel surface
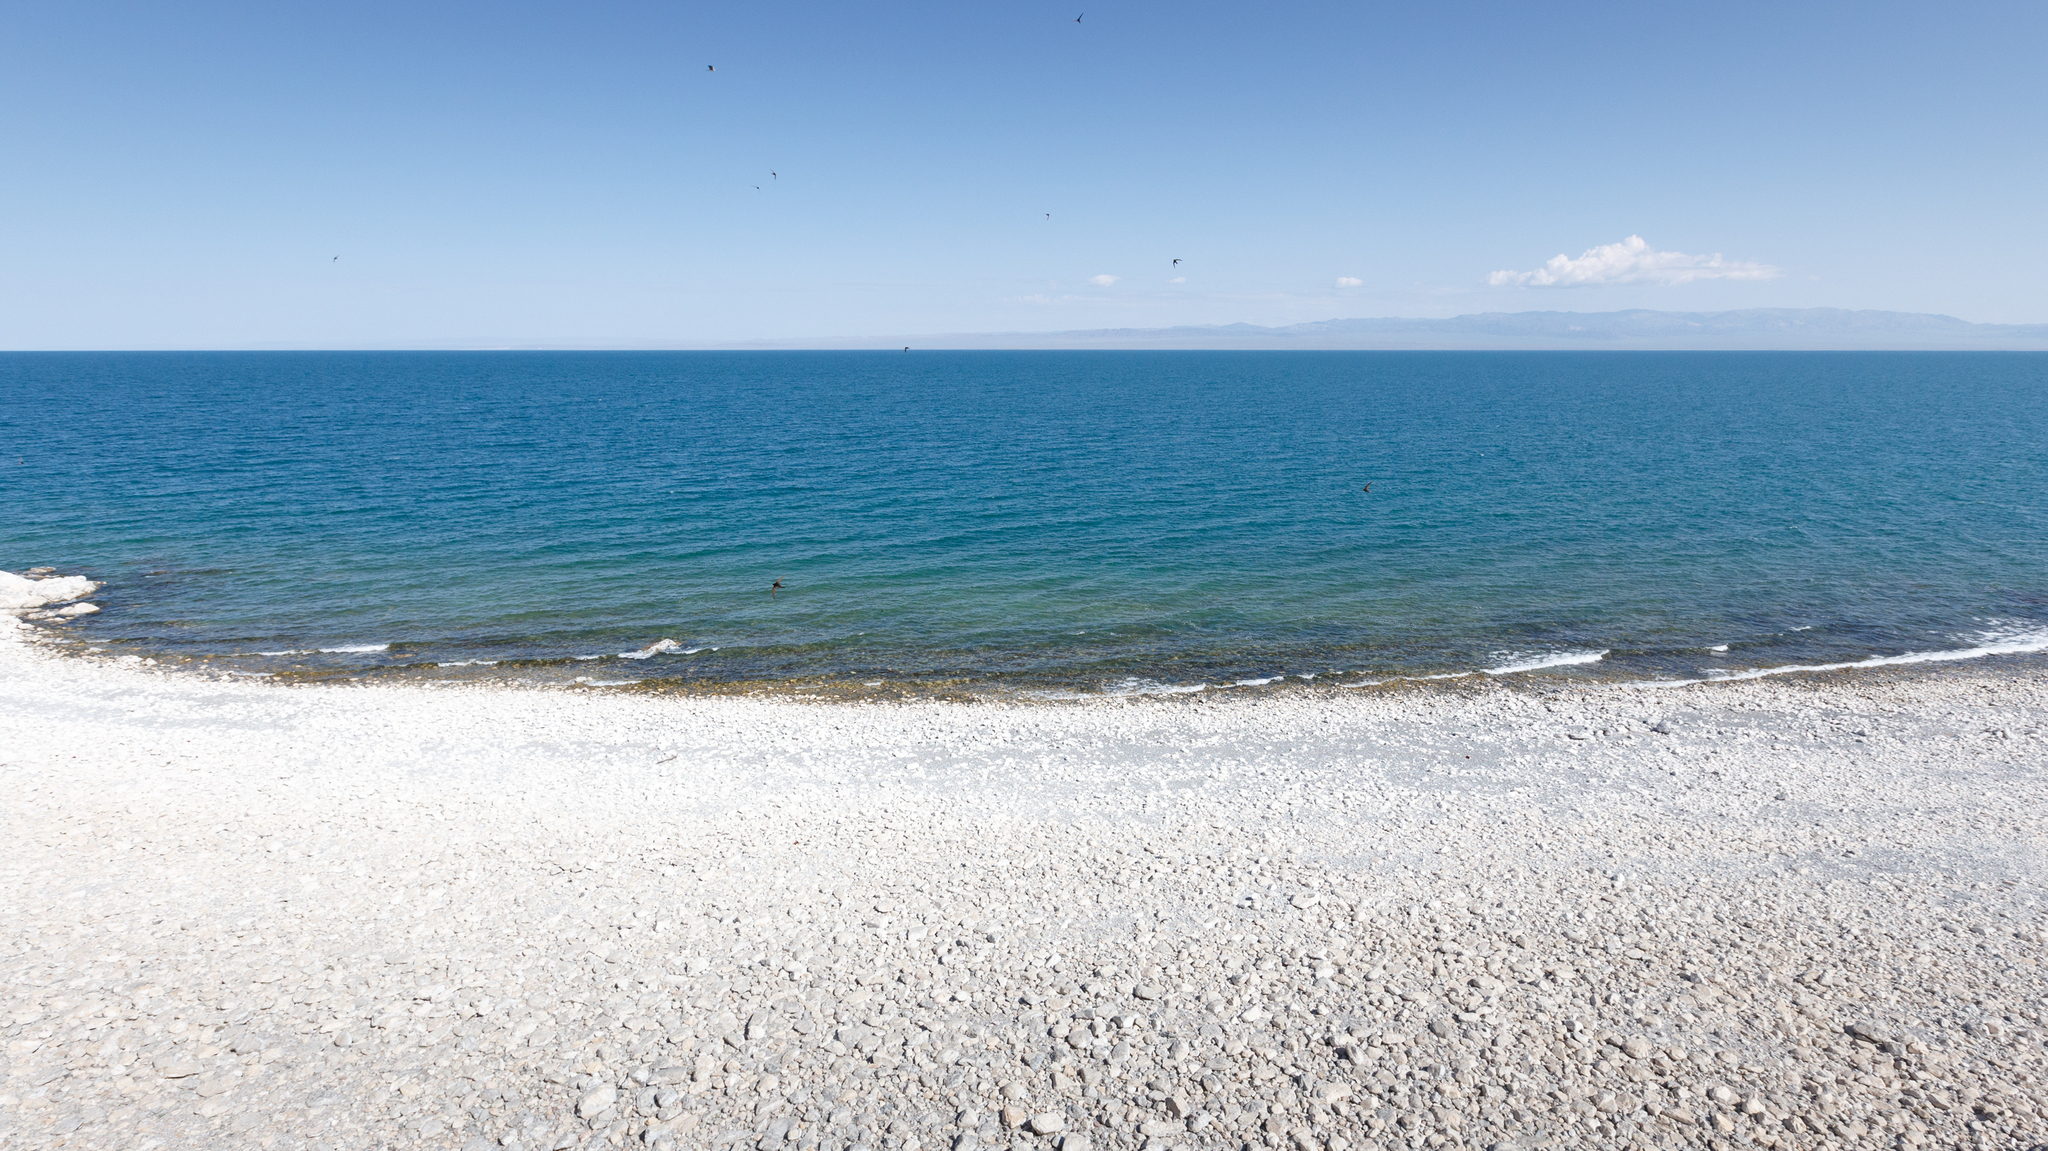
x=1783, y=913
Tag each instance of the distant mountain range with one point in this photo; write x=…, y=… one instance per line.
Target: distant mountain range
x=1810, y=329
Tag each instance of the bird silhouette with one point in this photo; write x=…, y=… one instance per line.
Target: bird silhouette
x=1176, y=263
x=1368, y=487
x=757, y=187
x=335, y=258
x=773, y=176
x=1077, y=19
x=773, y=588
x=710, y=68
x=906, y=347
x=1048, y=215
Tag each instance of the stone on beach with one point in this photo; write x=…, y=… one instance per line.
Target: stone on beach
x=391, y=916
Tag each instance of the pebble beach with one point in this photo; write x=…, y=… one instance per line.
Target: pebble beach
x=1793, y=912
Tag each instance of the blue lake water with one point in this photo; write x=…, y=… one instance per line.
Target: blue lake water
x=1036, y=521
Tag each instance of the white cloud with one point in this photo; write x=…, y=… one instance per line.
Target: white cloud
x=1178, y=280
x=1103, y=281
x=1633, y=261
x=1349, y=282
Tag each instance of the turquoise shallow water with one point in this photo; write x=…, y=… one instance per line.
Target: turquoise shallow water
x=1060, y=521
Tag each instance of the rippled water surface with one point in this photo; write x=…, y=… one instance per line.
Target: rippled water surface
x=1053, y=521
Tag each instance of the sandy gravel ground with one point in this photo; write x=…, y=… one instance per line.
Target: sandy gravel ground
x=1782, y=913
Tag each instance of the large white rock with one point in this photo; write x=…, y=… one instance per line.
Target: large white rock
x=20, y=593
x=596, y=1102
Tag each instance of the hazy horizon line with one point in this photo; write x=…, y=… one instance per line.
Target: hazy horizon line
x=1629, y=329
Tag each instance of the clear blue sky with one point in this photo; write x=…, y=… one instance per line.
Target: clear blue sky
x=182, y=175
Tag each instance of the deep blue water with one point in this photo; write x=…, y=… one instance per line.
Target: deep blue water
x=1038, y=520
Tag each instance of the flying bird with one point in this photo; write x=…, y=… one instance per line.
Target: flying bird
x=710, y=68
x=757, y=187
x=1048, y=215
x=1077, y=19
x=1176, y=263
x=1368, y=487
x=773, y=588
x=773, y=176
x=335, y=258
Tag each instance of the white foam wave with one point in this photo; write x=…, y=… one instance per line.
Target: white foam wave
x=470, y=663
x=358, y=649
x=658, y=647
x=1258, y=682
x=1152, y=687
x=1520, y=662
x=651, y=650
x=1994, y=642
x=1719, y=647
x=1529, y=661
x=1409, y=679
x=589, y=682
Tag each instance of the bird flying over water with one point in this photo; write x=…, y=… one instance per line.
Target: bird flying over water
x=773, y=588
x=1368, y=487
